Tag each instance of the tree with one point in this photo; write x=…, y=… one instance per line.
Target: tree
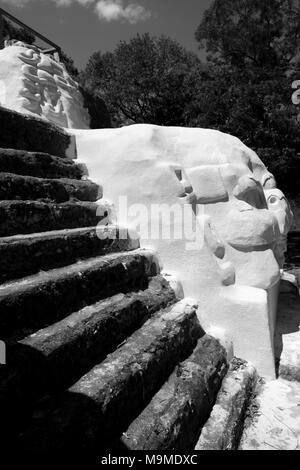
x=246, y=90
x=256, y=32
x=13, y=32
x=69, y=64
x=147, y=80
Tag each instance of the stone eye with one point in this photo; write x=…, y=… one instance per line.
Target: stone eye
x=273, y=200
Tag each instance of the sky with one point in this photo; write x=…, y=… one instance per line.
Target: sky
x=82, y=27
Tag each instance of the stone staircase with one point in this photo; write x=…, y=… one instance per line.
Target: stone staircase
x=102, y=353
x=96, y=336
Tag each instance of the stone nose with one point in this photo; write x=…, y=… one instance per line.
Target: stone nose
x=250, y=191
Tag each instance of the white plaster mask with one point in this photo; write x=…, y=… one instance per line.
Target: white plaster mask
x=223, y=181
x=233, y=268
x=249, y=220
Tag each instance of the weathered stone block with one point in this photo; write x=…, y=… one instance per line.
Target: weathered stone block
x=224, y=428
x=21, y=217
x=289, y=364
x=47, y=250
x=41, y=165
x=73, y=345
x=103, y=402
x=275, y=422
x=175, y=415
x=17, y=187
x=34, y=134
x=55, y=357
x=37, y=301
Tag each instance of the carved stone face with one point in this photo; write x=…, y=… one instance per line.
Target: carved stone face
x=250, y=218
x=223, y=183
x=229, y=194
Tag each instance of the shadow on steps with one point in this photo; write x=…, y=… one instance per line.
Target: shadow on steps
x=288, y=321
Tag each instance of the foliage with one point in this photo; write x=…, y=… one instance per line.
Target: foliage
x=262, y=33
x=20, y=34
x=253, y=57
x=147, y=80
x=69, y=64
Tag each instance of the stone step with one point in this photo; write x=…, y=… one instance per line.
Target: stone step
x=292, y=255
x=23, y=217
x=287, y=333
x=40, y=165
x=47, y=250
x=17, y=187
x=289, y=363
x=34, y=134
x=55, y=357
x=174, y=417
x=275, y=422
x=96, y=330
x=101, y=405
x=37, y=301
x=224, y=428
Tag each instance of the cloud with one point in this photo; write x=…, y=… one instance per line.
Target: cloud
x=106, y=10
x=115, y=10
x=60, y=3
x=17, y=3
